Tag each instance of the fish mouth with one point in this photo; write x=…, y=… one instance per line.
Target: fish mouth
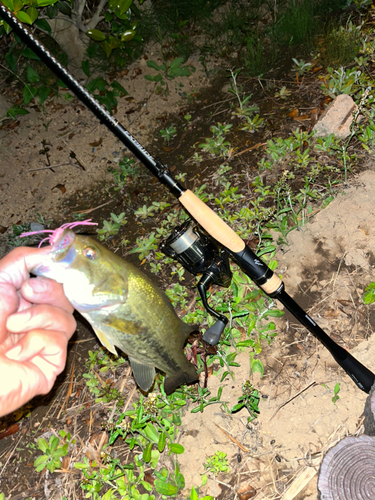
x=62, y=246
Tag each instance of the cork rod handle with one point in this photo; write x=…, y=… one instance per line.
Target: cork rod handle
x=211, y=222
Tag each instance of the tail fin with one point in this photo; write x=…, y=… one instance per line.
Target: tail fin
x=189, y=376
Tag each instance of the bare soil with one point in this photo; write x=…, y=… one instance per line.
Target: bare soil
x=325, y=268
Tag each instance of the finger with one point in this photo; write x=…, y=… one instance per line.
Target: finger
x=46, y=351
x=42, y=316
x=16, y=266
x=41, y=357
x=45, y=291
x=8, y=305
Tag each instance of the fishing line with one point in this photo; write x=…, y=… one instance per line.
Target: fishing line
x=199, y=253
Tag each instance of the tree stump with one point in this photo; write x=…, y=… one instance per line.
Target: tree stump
x=348, y=470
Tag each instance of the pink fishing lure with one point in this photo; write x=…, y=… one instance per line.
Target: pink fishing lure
x=56, y=233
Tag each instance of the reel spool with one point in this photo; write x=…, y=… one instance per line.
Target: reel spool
x=199, y=254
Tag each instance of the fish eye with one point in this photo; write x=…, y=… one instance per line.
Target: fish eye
x=90, y=253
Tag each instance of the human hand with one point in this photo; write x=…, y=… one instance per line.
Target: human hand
x=36, y=323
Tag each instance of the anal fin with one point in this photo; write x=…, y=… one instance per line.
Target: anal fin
x=144, y=374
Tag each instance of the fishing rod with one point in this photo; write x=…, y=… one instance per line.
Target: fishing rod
x=205, y=252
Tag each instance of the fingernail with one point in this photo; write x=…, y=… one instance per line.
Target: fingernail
x=38, y=285
x=14, y=353
x=17, y=322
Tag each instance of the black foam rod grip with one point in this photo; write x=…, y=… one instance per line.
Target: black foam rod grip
x=361, y=376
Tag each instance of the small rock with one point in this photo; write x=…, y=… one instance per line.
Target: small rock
x=337, y=118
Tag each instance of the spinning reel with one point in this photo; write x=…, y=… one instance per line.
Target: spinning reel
x=199, y=254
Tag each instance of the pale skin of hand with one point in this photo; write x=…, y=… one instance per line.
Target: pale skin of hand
x=36, y=323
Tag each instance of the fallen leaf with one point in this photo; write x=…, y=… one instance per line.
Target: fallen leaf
x=71, y=135
x=317, y=68
x=13, y=125
x=96, y=144
x=293, y=113
x=149, y=478
x=65, y=462
x=314, y=115
x=331, y=313
x=56, y=107
x=301, y=118
x=3, y=229
x=61, y=187
x=10, y=431
x=167, y=148
x=324, y=102
x=246, y=492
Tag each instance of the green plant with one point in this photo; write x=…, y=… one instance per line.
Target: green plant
x=112, y=227
x=369, y=295
x=169, y=70
x=106, y=92
x=244, y=109
x=249, y=400
x=145, y=245
x=53, y=451
x=14, y=235
x=217, y=463
x=168, y=134
x=283, y=93
x=199, y=395
x=341, y=45
x=301, y=67
x=253, y=124
x=336, y=391
x=297, y=24
x=104, y=392
x=33, y=84
x=125, y=172
x=120, y=18
x=343, y=81
x=216, y=145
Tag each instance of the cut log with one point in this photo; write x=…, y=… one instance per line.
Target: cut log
x=348, y=470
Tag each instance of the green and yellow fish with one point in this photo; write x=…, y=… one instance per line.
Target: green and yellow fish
x=124, y=307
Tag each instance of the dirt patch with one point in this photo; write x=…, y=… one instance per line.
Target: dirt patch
x=65, y=151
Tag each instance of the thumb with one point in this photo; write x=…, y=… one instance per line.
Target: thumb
x=9, y=302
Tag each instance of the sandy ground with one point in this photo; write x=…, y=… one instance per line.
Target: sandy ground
x=79, y=149
x=331, y=259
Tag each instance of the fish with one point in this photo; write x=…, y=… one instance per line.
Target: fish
x=124, y=307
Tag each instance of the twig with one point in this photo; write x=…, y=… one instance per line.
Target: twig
x=68, y=392
x=243, y=448
x=293, y=397
x=52, y=166
x=92, y=209
x=129, y=399
x=256, y=146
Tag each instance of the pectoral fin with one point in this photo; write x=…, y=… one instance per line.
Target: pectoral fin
x=144, y=374
x=105, y=340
